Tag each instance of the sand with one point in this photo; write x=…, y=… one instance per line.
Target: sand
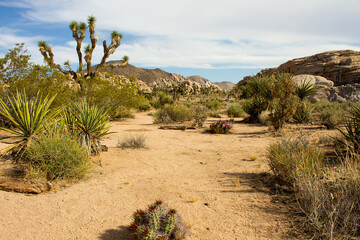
x=209, y=179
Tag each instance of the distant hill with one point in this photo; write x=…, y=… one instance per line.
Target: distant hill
x=225, y=85
x=154, y=77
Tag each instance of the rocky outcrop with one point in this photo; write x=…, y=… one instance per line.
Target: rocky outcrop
x=344, y=93
x=152, y=78
x=341, y=67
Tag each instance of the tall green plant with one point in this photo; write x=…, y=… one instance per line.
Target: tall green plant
x=27, y=117
x=89, y=123
x=305, y=89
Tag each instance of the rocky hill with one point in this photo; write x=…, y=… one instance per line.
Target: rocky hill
x=342, y=67
x=153, y=78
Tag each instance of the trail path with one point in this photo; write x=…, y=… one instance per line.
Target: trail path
x=208, y=179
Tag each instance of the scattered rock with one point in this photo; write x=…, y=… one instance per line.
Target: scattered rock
x=24, y=185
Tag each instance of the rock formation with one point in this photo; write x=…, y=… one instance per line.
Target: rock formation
x=341, y=67
x=154, y=78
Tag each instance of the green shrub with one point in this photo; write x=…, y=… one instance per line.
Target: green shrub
x=57, y=155
x=155, y=104
x=117, y=99
x=220, y=127
x=136, y=141
x=329, y=114
x=254, y=107
x=159, y=222
x=283, y=101
x=200, y=114
x=143, y=107
x=213, y=104
x=176, y=113
x=89, y=123
x=290, y=157
x=235, y=110
x=303, y=113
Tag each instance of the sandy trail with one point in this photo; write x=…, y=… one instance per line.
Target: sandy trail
x=209, y=179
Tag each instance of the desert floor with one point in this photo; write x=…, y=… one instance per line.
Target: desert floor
x=209, y=179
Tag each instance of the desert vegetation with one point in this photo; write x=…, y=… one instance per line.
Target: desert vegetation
x=57, y=120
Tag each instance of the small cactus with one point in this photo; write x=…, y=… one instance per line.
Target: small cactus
x=158, y=223
x=220, y=126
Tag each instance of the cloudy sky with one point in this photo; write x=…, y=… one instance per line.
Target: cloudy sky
x=219, y=40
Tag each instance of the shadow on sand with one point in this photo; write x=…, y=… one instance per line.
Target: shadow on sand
x=121, y=232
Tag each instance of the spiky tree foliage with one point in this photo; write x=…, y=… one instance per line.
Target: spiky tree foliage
x=108, y=50
x=28, y=119
x=78, y=32
x=158, y=223
x=89, y=123
x=46, y=51
x=305, y=89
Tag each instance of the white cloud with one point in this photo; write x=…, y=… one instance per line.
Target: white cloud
x=207, y=33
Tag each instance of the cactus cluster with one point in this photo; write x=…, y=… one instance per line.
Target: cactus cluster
x=220, y=126
x=158, y=223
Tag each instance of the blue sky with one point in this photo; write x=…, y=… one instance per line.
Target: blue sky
x=219, y=40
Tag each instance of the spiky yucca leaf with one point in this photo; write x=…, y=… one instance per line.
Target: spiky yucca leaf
x=73, y=25
x=89, y=123
x=115, y=34
x=91, y=20
x=305, y=89
x=87, y=48
x=82, y=26
x=27, y=117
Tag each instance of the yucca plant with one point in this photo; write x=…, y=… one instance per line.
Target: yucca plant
x=352, y=129
x=305, y=89
x=28, y=119
x=89, y=123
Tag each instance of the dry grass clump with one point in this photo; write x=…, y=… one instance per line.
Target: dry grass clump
x=328, y=194
x=133, y=141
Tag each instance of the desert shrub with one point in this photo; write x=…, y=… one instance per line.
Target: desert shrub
x=28, y=119
x=254, y=107
x=135, y=141
x=48, y=81
x=117, y=99
x=214, y=114
x=145, y=106
x=303, y=113
x=289, y=157
x=158, y=222
x=220, y=127
x=155, y=104
x=329, y=114
x=200, y=114
x=327, y=194
x=165, y=98
x=57, y=155
x=283, y=104
x=176, y=113
x=213, y=104
x=235, y=110
x=89, y=123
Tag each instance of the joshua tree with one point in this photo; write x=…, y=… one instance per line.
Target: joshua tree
x=78, y=31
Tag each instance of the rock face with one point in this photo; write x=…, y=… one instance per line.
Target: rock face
x=341, y=67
